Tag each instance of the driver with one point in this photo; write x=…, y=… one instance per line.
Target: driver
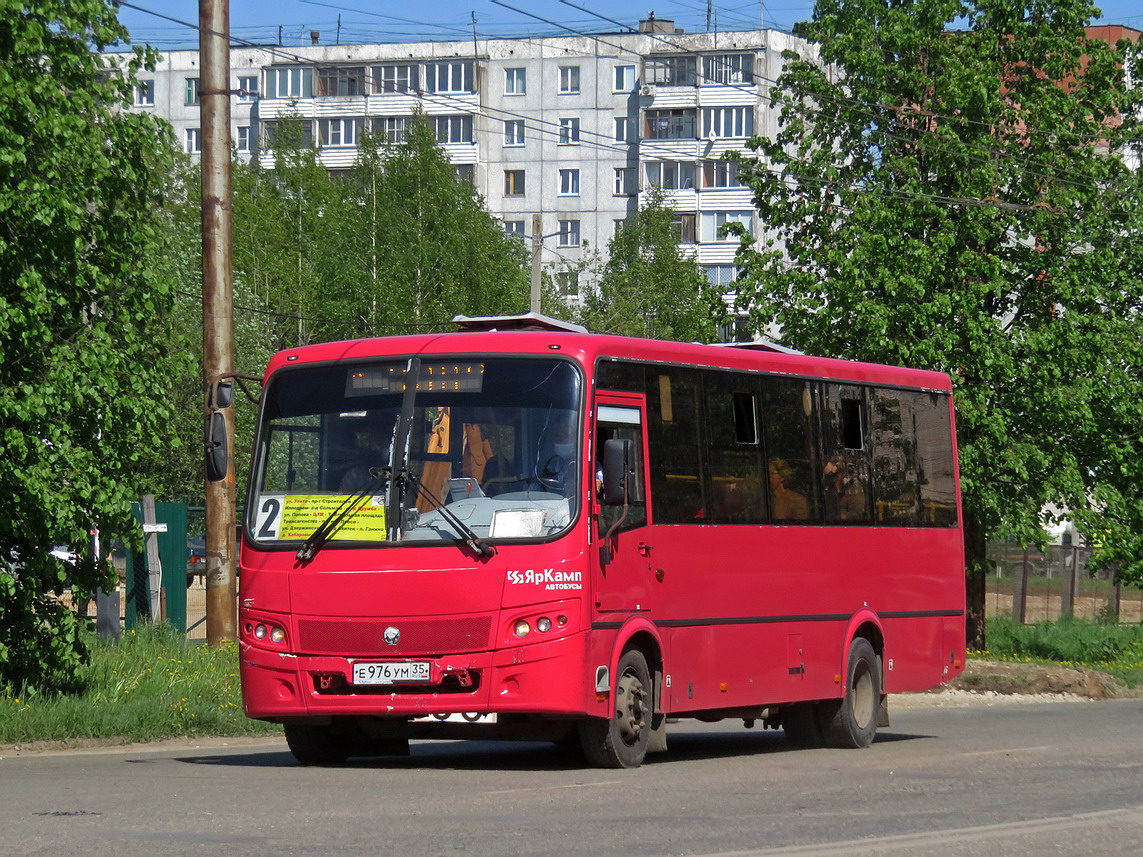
x=556, y=468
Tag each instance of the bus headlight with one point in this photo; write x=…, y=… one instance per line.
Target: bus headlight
x=523, y=629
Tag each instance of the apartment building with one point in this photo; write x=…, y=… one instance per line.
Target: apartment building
x=574, y=129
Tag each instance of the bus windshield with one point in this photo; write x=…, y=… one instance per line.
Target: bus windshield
x=419, y=451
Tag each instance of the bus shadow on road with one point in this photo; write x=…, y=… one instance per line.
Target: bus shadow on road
x=539, y=756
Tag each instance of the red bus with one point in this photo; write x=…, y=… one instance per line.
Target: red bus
x=581, y=538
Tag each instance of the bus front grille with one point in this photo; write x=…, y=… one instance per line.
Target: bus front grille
x=358, y=637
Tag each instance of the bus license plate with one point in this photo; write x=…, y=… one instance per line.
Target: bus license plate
x=411, y=672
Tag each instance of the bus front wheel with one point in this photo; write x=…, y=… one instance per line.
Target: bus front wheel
x=621, y=740
x=851, y=722
x=316, y=745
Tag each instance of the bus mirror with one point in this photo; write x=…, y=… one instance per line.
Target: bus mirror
x=217, y=460
x=223, y=394
x=618, y=466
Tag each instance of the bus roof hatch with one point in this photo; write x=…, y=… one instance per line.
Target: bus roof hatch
x=524, y=321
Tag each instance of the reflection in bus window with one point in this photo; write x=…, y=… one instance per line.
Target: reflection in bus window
x=788, y=504
x=791, y=445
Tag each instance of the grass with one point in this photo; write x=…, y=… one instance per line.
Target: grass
x=1113, y=649
x=150, y=685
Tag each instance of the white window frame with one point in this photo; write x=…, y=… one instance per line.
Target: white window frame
x=338, y=132
x=144, y=93
x=191, y=93
x=394, y=78
x=453, y=128
x=625, y=184
x=242, y=138
x=389, y=128
x=716, y=275
x=670, y=175
x=290, y=82
x=569, y=233
x=192, y=141
x=735, y=69
x=728, y=121
x=569, y=182
x=247, y=88
x=449, y=76
x=720, y=174
x=626, y=78
x=514, y=132
x=569, y=80
x=516, y=189
x=515, y=229
x=515, y=81
x=624, y=129
x=569, y=131
x=713, y=221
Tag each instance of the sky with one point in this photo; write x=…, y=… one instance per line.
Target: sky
x=290, y=22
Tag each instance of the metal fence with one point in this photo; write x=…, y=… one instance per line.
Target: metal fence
x=1033, y=586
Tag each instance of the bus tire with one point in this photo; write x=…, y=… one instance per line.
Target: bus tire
x=316, y=745
x=800, y=723
x=621, y=740
x=851, y=722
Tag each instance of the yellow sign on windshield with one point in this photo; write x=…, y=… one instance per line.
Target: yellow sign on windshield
x=293, y=517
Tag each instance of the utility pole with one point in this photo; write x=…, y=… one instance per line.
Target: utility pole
x=217, y=306
x=537, y=249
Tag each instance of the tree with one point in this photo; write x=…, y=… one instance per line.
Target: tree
x=958, y=200
x=647, y=287
x=84, y=362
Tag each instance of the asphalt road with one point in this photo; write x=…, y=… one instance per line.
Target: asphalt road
x=1046, y=779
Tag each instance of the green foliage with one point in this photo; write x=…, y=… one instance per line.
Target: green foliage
x=944, y=202
x=149, y=685
x=84, y=354
x=648, y=288
x=1112, y=648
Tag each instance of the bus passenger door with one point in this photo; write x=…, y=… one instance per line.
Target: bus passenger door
x=623, y=562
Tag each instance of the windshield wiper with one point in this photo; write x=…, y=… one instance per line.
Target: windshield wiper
x=467, y=536
x=340, y=515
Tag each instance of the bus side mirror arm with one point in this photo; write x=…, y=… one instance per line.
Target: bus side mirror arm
x=219, y=397
x=618, y=468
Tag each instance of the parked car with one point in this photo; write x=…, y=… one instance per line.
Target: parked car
x=196, y=558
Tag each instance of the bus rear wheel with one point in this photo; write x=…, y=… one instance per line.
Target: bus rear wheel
x=621, y=740
x=851, y=722
x=316, y=745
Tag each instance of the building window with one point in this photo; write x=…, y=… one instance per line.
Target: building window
x=453, y=129
x=244, y=138
x=336, y=133
x=624, y=129
x=513, y=182
x=514, y=132
x=569, y=131
x=515, y=81
x=454, y=76
x=466, y=173
x=341, y=81
x=247, y=89
x=569, y=79
x=569, y=182
x=289, y=83
x=192, y=141
x=728, y=69
x=672, y=71
x=728, y=121
x=514, y=229
x=569, y=233
x=671, y=124
x=192, y=90
x=568, y=283
x=684, y=224
x=270, y=134
x=144, y=93
x=400, y=77
x=625, y=78
x=671, y=175
x=624, y=181
x=721, y=276
x=713, y=221
x=390, y=129
x=720, y=174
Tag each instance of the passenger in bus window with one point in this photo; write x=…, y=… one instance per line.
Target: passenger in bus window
x=844, y=493
x=788, y=504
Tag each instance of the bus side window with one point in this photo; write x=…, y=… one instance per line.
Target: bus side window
x=629, y=429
